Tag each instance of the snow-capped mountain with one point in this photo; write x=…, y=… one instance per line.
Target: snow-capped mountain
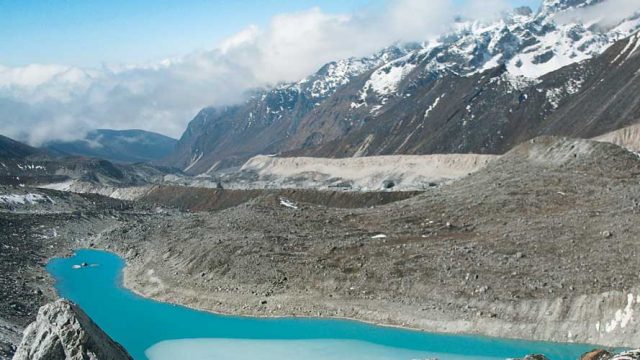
x=219, y=136
x=513, y=59
x=492, y=111
x=529, y=44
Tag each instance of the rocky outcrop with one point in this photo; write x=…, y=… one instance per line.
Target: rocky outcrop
x=597, y=354
x=63, y=331
x=535, y=357
x=627, y=355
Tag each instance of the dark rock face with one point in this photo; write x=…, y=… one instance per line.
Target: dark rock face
x=62, y=331
x=10, y=148
x=123, y=146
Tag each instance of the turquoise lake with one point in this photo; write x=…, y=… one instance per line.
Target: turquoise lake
x=153, y=330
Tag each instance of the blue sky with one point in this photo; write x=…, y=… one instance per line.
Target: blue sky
x=90, y=33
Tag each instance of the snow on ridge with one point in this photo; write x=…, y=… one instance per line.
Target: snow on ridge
x=338, y=74
x=29, y=167
x=335, y=74
x=528, y=45
x=386, y=79
x=556, y=95
x=23, y=199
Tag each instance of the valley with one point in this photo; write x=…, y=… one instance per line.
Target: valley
x=483, y=183
x=478, y=255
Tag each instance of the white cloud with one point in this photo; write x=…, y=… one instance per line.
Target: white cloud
x=44, y=102
x=606, y=13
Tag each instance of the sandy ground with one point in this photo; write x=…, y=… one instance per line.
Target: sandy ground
x=628, y=137
x=394, y=172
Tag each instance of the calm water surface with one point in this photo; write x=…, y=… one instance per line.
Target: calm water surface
x=153, y=330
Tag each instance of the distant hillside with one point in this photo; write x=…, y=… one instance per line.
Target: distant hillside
x=123, y=146
x=12, y=149
x=21, y=164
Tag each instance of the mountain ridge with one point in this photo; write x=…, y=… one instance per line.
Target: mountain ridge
x=123, y=146
x=521, y=48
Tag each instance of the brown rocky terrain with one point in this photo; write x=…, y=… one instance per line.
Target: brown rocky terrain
x=540, y=244
x=205, y=199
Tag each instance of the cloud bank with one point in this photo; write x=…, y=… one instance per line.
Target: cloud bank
x=46, y=102
x=606, y=13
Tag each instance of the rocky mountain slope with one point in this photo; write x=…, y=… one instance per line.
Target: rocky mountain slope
x=219, y=136
x=538, y=244
x=120, y=146
x=492, y=111
x=62, y=331
x=10, y=148
x=483, y=88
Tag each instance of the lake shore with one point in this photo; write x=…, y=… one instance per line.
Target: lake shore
x=380, y=313
x=140, y=323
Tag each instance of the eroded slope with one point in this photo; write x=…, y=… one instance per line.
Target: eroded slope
x=539, y=244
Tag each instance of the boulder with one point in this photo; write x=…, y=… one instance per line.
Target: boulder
x=62, y=331
x=597, y=354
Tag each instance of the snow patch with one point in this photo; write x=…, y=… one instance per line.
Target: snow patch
x=29, y=167
x=22, y=199
x=433, y=106
x=622, y=317
x=61, y=186
x=194, y=160
x=555, y=96
x=288, y=204
x=386, y=79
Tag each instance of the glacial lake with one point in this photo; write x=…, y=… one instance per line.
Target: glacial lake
x=158, y=331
